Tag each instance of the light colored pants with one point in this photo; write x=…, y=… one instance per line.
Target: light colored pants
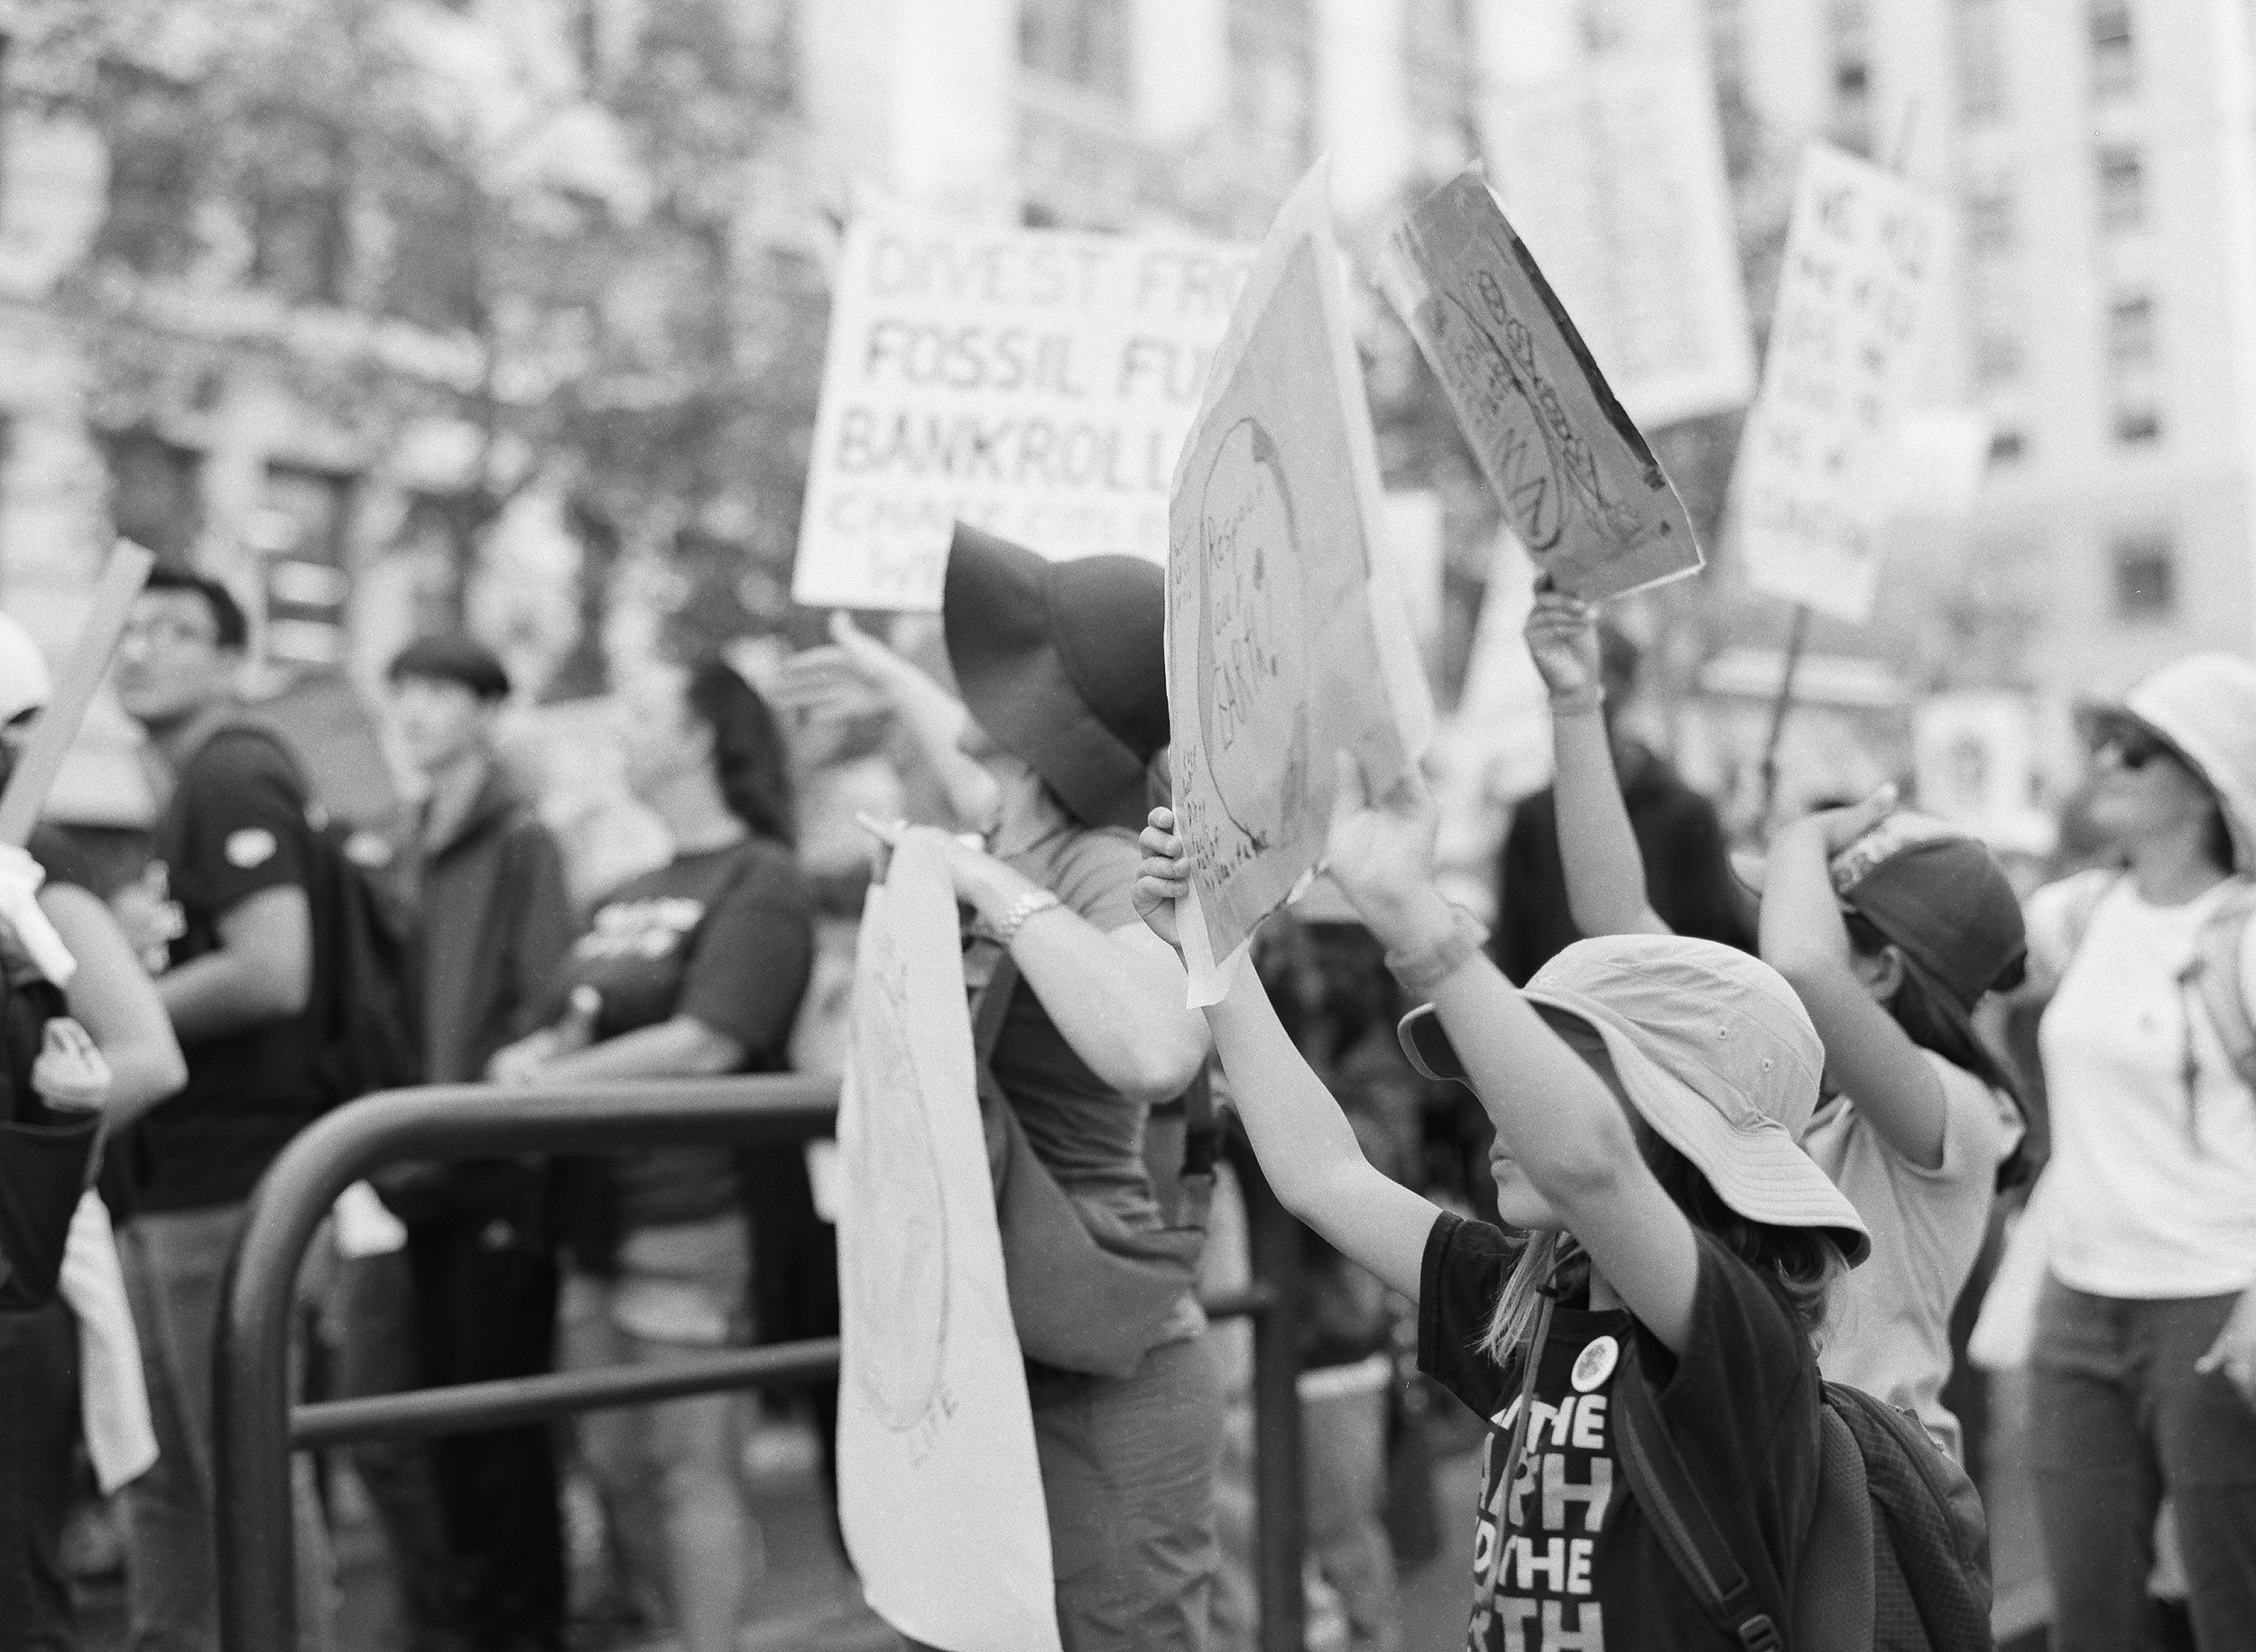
x=1342, y=1494
x=174, y=1262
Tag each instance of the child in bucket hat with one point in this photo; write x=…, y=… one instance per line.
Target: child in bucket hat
x=1892, y=928
x=1660, y=1224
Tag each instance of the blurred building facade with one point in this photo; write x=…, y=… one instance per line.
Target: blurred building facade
x=2102, y=157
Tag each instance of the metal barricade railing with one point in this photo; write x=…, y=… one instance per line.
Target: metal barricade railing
x=257, y=1428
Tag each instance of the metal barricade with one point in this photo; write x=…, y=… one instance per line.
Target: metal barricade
x=257, y=1427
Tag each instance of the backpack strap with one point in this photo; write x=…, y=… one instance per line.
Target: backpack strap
x=1679, y=1516
x=2214, y=974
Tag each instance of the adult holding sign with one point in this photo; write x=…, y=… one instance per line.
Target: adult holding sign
x=1080, y=1030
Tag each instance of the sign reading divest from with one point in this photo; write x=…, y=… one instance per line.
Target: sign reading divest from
x=1287, y=639
x=1036, y=383
x=1579, y=485
x=940, y=1490
x=1862, y=255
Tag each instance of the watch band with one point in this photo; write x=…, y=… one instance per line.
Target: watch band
x=1004, y=929
x=1582, y=702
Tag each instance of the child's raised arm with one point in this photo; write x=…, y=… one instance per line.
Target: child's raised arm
x=1605, y=871
x=1552, y=1111
x=1869, y=1056
x=1306, y=1145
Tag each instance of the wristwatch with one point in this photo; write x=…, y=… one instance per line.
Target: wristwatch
x=1004, y=929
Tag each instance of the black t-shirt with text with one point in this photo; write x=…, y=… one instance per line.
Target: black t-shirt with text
x=1565, y=1560
x=235, y=827
x=725, y=936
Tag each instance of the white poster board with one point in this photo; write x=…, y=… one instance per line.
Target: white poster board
x=1577, y=483
x=1036, y=383
x=1615, y=176
x=940, y=1490
x=1287, y=639
x=1862, y=255
x=1975, y=761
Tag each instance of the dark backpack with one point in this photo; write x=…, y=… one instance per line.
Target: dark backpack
x=1898, y=1555
x=44, y=1157
x=363, y=999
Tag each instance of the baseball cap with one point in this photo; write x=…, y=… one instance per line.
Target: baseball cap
x=453, y=657
x=1713, y=1050
x=2203, y=707
x=24, y=682
x=1936, y=894
x=1064, y=665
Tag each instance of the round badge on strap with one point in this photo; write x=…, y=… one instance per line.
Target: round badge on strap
x=1595, y=1363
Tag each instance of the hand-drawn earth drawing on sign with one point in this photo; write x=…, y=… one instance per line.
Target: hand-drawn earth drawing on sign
x=1253, y=637
x=899, y=1273
x=1287, y=637
x=1577, y=482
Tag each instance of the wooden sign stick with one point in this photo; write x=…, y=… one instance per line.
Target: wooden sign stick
x=89, y=662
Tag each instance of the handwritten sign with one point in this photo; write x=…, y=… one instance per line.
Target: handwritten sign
x=1579, y=485
x=1035, y=383
x=1615, y=178
x=940, y=1490
x=1287, y=636
x=1863, y=252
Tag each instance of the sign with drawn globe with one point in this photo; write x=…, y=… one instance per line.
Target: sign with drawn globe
x=1287, y=636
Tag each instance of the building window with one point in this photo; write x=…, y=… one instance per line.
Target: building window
x=434, y=278
x=299, y=235
x=1990, y=224
x=1082, y=41
x=2146, y=576
x=1981, y=61
x=2114, y=64
x=2131, y=334
x=1997, y=357
x=301, y=531
x=2138, y=422
x=156, y=493
x=152, y=134
x=2122, y=190
x=1851, y=47
x=2007, y=445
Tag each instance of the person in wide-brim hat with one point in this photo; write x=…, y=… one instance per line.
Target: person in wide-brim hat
x=1048, y=749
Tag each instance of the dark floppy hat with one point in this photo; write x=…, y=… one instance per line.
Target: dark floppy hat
x=1064, y=665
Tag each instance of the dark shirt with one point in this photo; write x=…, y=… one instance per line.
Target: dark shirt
x=43, y=1154
x=235, y=827
x=725, y=936
x=1569, y=1562
x=1688, y=874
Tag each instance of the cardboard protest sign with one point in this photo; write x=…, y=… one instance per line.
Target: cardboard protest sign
x=1036, y=383
x=1863, y=254
x=940, y=1491
x=1614, y=177
x=1287, y=639
x=1577, y=483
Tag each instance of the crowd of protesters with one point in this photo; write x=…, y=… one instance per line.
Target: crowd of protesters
x=1686, y=1132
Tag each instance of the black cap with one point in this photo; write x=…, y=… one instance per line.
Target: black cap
x=1064, y=664
x=453, y=657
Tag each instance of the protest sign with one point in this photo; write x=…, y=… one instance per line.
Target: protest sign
x=1974, y=763
x=1287, y=640
x=1614, y=177
x=940, y=1491
x=1577, y=483
x=1862, y=253
x=1036, y=383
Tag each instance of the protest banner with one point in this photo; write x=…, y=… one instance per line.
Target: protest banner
x=1577, y=483
x=1287, y=640
x=1613, y=175
x=1036, y=383
x=940, y=1490
x=1975, y=762
x=1862, y=253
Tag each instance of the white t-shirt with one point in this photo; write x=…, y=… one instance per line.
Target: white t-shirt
x=1890, y=1330
x=2157, y=1197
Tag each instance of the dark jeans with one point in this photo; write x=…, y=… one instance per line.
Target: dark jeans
x=473, y=1520
x=39, y=1426
x=2121, y=1418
